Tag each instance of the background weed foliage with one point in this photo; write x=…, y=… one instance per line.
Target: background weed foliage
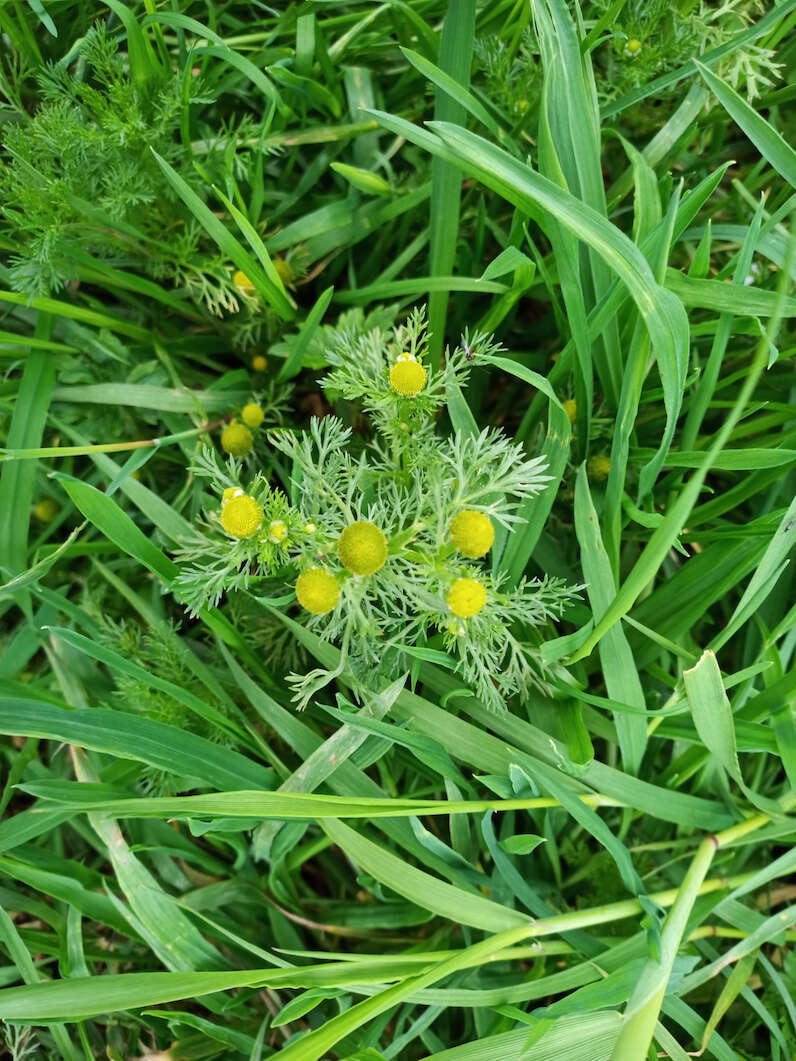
x=269, y=271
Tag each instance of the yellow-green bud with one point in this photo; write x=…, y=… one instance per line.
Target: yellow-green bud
x=237, y=440
x=252, y=415
x=472, y=533
x=407, y=378
x=317, y=590
x=362, y=548
x=241, y=516
x=466, y=597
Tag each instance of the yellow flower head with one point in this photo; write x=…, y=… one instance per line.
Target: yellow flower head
x=362, y=548
x=599, y=467
x=252, y=415
x=472, y=533
x=407, y=378
x=466, y=597
x=632, y=48
x=236, y=439
x=243, y=283
x=46, y=510
x=277, y=531
x=231, y=491
x=283, y=269
x=241, y=516
x=259, y=363
x=571, y=409
x=317, y=590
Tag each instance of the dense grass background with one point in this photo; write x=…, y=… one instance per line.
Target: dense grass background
x=605, y=872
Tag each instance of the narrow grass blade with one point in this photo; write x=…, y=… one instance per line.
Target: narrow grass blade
x=456, y=90
x=227, y=242
x=78, y=313
x=712, y=713
x=144, y=65
x=643, y=1008
x=456, y=49
x=521, y=185
x=21, y=958
x=735, y=984
x=130, y=736
x=766, y=139
x=299, y=345
x=72, y=1000
x=555, y=449
x=619, y=669
x=106, y=515
x=665, y=535
x=18, y=480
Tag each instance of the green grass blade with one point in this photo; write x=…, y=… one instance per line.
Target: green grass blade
x=619, y=669
x=78, y=313
x=771, y=145
x=712, y=713
x=522, y=186
x=232, y=247
x=18, y=480
x=71, y=1000
x=30, y=974
x=457, y=92
x=455, y=58
x=143, y=61
x=133, y=737
x=665, y=535
x=298, y=347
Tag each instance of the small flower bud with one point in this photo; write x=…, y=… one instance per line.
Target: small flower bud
x=252, y=415
x=466, y=597
x=277, y=531
x=237, y=440
x=407, y=378
x=46, y=510
x=472, y=533
x=362, y=548
x=317, y=590
x=241, y=516
x=599, y=467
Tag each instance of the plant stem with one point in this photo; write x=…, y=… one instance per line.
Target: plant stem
x=105, y=447
x=644, y=1005
x=643, y=1008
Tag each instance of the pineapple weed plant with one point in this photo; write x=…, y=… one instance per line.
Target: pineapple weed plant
x=386, y=542
x=397, y=625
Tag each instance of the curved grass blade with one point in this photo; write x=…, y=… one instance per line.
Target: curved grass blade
x=134, y=737
x=771, y=145
x=519, y=184
x=666, y=534
x=227, y=242
x=91, y=996
x=456, y=91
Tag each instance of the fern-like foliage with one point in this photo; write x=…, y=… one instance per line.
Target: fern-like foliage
x=411, y=481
